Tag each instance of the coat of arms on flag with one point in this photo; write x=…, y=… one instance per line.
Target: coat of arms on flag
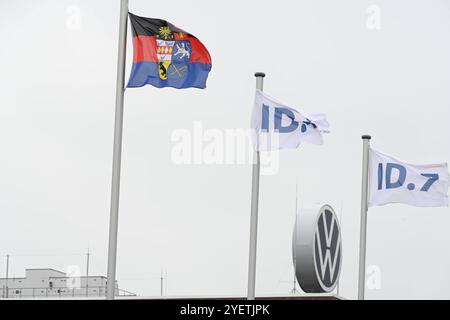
x=166, y=56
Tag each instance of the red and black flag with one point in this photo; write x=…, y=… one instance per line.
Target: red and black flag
x=166, y=56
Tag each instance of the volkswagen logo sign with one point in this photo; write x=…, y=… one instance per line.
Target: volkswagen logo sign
x=317, y=249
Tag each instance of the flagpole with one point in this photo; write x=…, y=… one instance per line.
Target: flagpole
x=254, y=210
x=117, y=153
x=363, y=226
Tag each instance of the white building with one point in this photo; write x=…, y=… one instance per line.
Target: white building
x=54, y=283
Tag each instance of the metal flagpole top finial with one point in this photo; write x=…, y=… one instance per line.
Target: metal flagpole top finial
x=260, y=74
x=366, y=136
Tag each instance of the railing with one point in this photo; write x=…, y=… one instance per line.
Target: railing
x=60, y=292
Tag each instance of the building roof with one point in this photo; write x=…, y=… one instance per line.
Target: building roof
x=63, y=274
x=38, y=269
x=53, y=277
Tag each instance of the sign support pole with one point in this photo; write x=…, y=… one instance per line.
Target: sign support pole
x=117, y=153
x=254, y=210
x=363, y=226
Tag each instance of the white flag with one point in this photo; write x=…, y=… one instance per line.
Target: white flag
x=394, y=181
x=277, y=126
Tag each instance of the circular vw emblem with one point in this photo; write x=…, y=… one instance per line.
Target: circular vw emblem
x=317, y=249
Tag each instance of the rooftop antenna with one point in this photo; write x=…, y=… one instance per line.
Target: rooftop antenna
x=162, y=283
x=7, y=273
x=87, y=271
x=294, y=288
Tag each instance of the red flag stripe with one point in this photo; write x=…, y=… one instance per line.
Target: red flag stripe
x=145, y=49
x=199, y=52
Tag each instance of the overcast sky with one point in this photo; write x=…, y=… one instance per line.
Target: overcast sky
x=57, y=94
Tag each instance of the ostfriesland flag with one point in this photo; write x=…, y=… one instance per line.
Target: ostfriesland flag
x=166, y=56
